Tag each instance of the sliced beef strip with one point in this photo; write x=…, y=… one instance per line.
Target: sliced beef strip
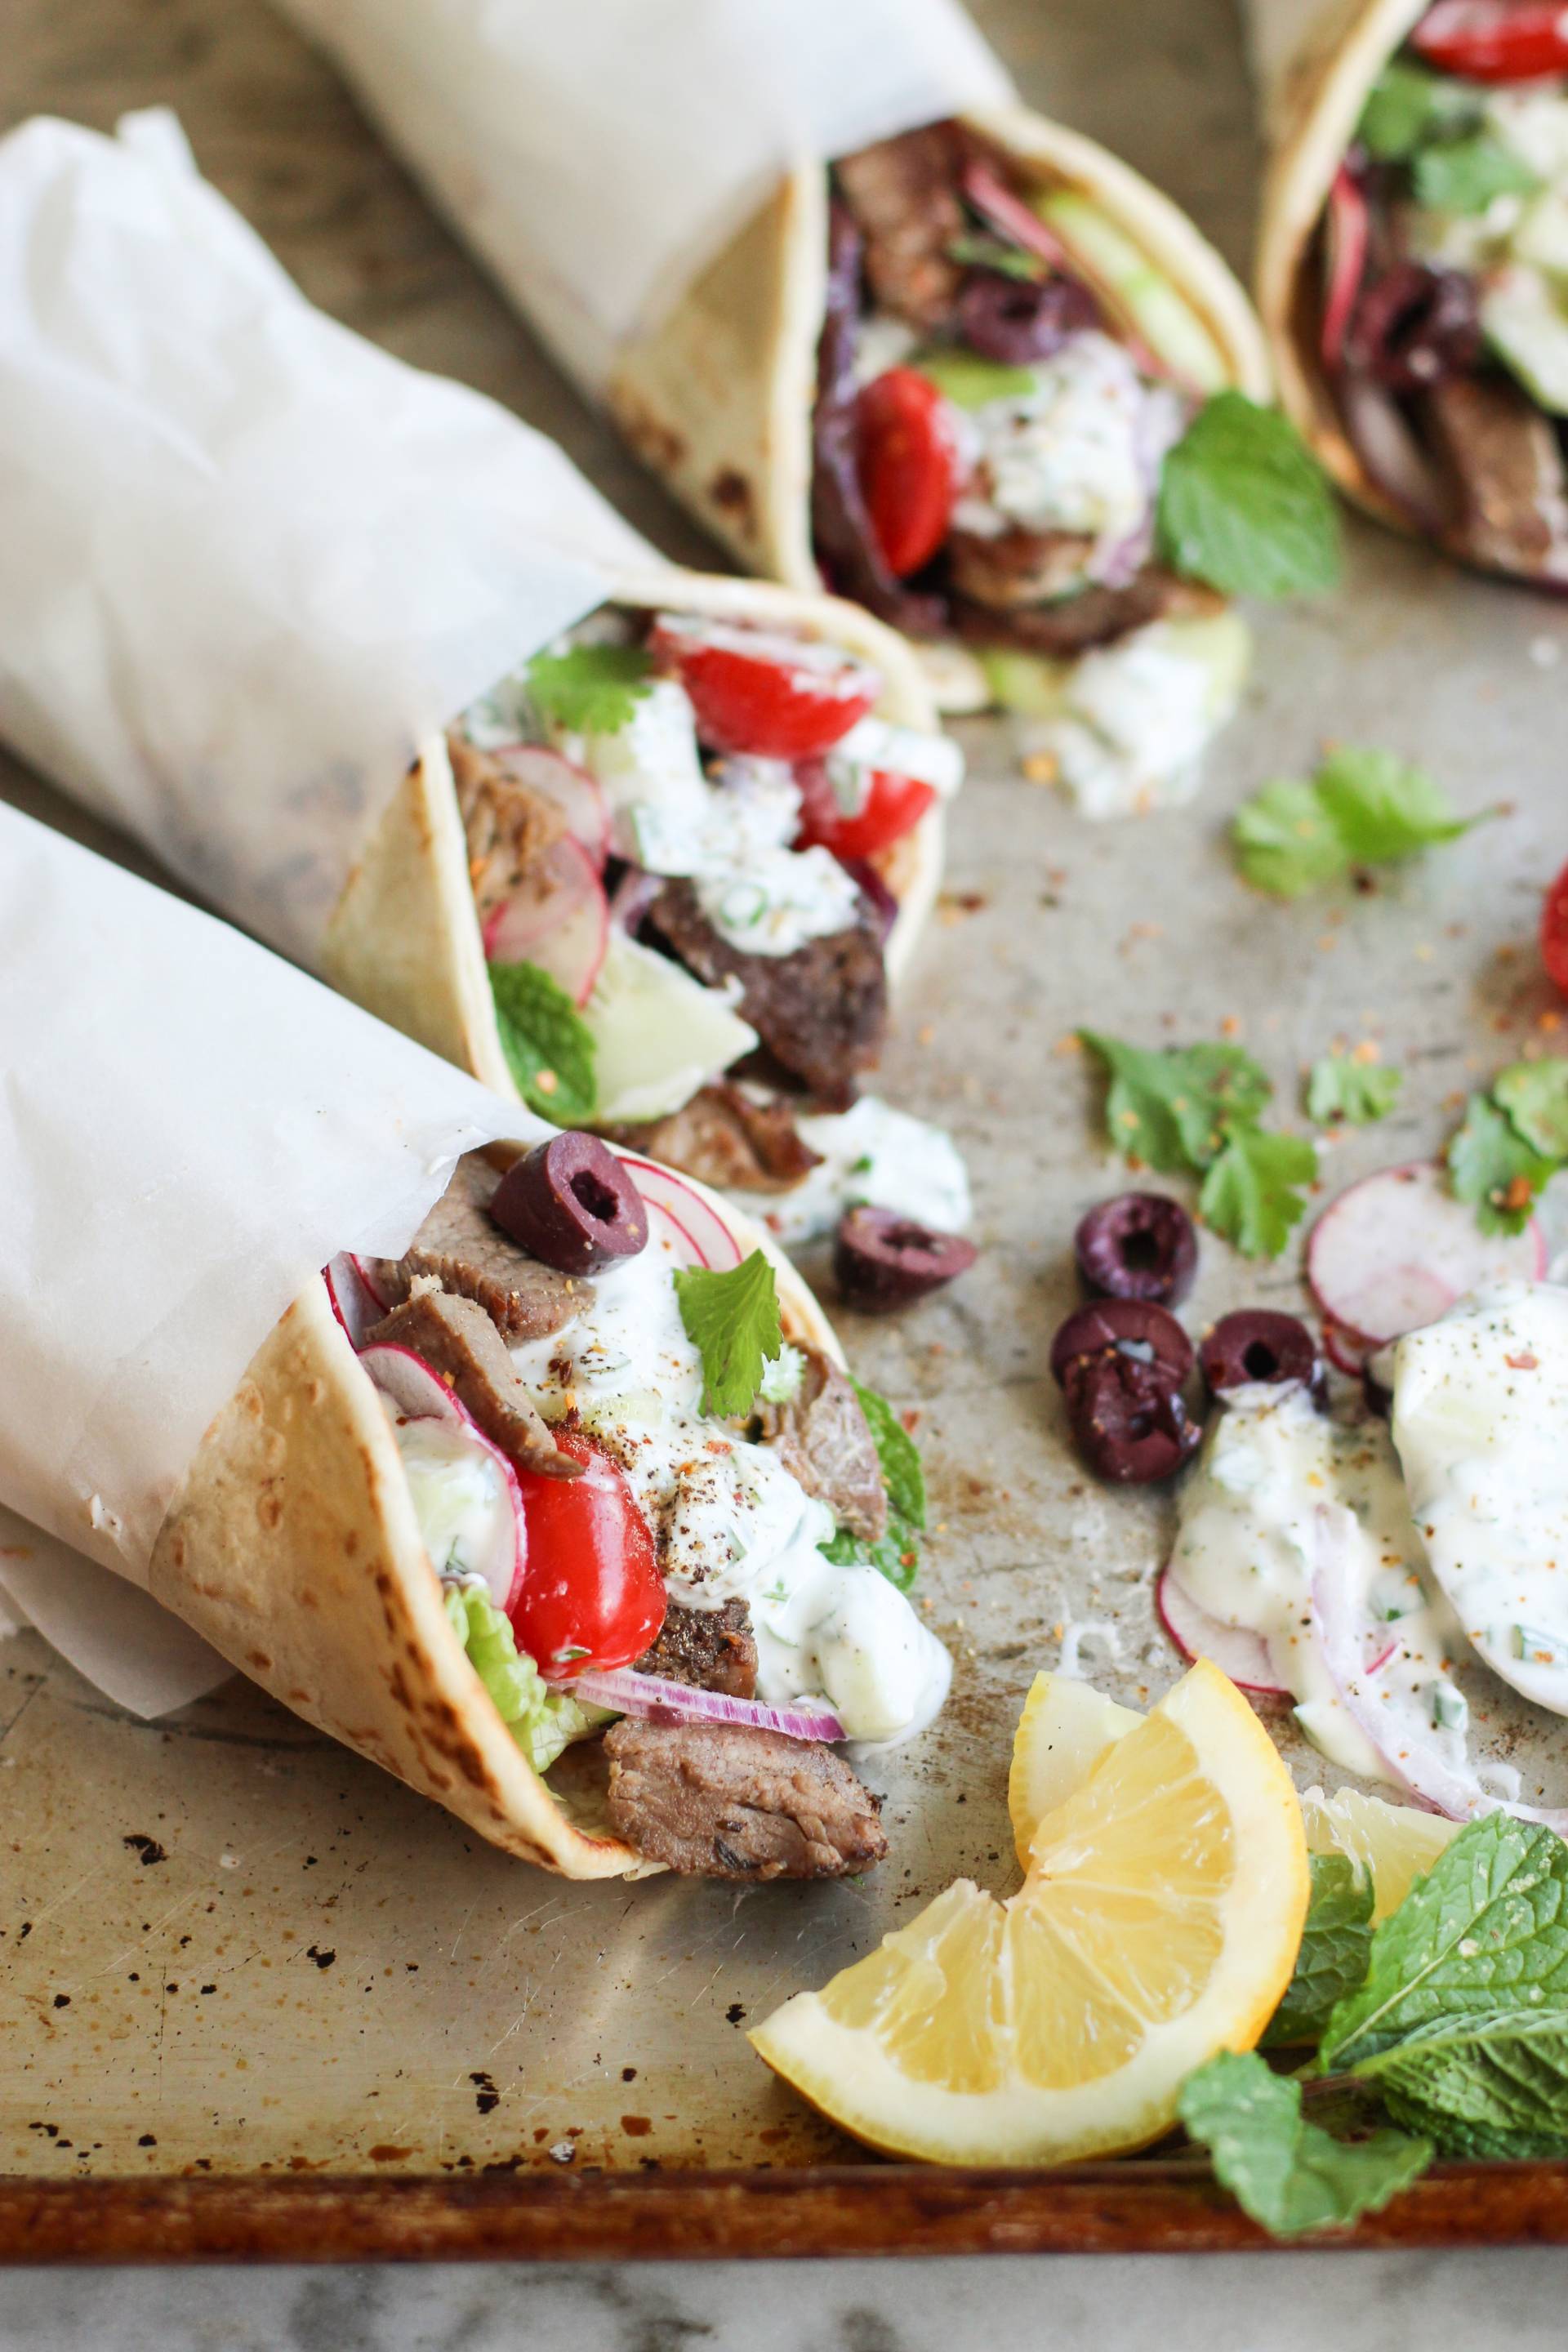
x=903, y=194
x=511, y=829
x=1096, y=616
x=1018, y=567
x=456, y=1339
x=726, y=1801
x=708, y=1649
x=820, y=1011
x=1509, y=463
x=823, y=1437
x=722, y=1137
x=467, y=1254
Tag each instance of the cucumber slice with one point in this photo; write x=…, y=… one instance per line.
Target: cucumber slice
x=1037, y=689
x=970, y=379
x=658, y=1035
x=1162, y=316
x=1526, y=323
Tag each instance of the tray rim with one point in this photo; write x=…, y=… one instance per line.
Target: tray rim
x=796, y=2213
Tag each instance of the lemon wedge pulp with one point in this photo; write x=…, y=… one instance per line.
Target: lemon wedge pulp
x=1158, y=1924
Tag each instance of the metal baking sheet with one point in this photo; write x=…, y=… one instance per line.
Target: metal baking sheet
x=254, y=1996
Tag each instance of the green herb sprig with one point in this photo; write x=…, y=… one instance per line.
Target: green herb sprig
x=1514, y=1139
x=897, y=1551
x=1362, y=808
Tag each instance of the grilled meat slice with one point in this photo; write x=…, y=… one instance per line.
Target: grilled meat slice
x=903, y=193
x=722, y=1137
x=511, y=829
x=1096, y=616
x=1018, y=567
x=708, y=1649
x=717, y=1801
x=456, y=1339
x=469, y=1254
x=1509, y=463
x=824, y=1438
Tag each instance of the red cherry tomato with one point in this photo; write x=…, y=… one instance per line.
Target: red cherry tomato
x=1554, y=932
x=1495, y=40
x=592, y=1594
x=894, y=806
x=760, y=693
x=908, y=467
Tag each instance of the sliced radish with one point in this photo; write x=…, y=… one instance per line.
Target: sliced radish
x=364, y=1269
x=1396, y=1251
x=695, y=1221
x=579, y=797
x=356, y=1305
x=1346, y=1350
x=1235, y=1651
x=418, y=1397
x=650, y=1697
x=558, y=918
x=1348, y=225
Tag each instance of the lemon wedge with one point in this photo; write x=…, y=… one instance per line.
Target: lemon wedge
x=1067, y=1726
x=1158, y=1924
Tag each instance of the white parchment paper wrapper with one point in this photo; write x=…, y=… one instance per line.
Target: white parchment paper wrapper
x=189, y=1127
x=250, y=561
x=598, y=153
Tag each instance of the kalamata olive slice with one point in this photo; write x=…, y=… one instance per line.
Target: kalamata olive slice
x=1128, y=1421
x=1140, y=1245
x=1015, y=321
x=882, y=1260
x=1133, y=1328
x=571, y=1203
x=1260, y=1345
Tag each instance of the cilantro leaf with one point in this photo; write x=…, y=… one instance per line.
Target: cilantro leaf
x=1407, y=107
x=589, y=689
x=1535, y=1097
x=1482, y=2085
x=548, y=1045
x=1384, y=807
x=1331, y=1962
x=1251, y=1195
x=1286, y=842
x=732, y=1319
x=1463, y=175
x=1341, y=1091
x=899, y=1456
x=1285, y=2172
x=1170, y=1107
x=968, y=380
x=1490, y=1919
x=1490, y=1166
x=1245, y=506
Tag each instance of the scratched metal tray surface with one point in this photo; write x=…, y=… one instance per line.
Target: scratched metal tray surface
x=258, y=1999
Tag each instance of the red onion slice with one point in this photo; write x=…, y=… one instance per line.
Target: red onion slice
x=1013, y=217
x=1348, y=231
x=697, y=1221
x=648, y=1695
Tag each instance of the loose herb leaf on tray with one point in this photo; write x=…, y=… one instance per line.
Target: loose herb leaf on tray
x=1345, y=1092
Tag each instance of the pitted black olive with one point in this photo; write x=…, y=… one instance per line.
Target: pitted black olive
x=1133, y=1328
x=1015, y=320
x=570, y=1204
x=1140, y=1245
x=882, y=1260
x=1260, y=1345
x=1128, y=1421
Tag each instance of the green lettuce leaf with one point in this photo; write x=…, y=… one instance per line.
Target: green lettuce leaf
x=542, y=1721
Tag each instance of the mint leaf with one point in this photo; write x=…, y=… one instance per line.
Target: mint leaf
x=1288, y=2173
x=548, y=1045
x=1286, y=841
x=1384, y=807
x=899, y=1456
x=1407, y=107
x=1535, y=1097
x=1474, y=2085
x=1243, y=505
x=732, y=1320
x=1341, y=1091
x=1335, y=1944
x=1486, y=1926
x=1171, y=1107
x=1463, y=175
x=1491, y=1167
x=896, y=1554
x=1251, y=1195
x=969, y=380
x=589, y=689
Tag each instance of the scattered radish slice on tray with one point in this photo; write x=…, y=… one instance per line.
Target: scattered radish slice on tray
x=1396, y=1251
x=1235, y=1651
x=558, y=918
x=696, y=1222
x=413, y=1394
x=650, y=1697
x=577, y=796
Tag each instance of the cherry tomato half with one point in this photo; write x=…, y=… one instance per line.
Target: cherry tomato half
x=908, y=467
x=894, y=806
x=1495, y=40
x=761, y=693
x=1554, y=932
x=592, y=1594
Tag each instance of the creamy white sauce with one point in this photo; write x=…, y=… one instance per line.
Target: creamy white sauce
x=1135, y=718
x=1246, y=1547
x=872, y=1153
x=460, y=1498
x=1481, y=1423
x=729, y=1519
x=1077, y=454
